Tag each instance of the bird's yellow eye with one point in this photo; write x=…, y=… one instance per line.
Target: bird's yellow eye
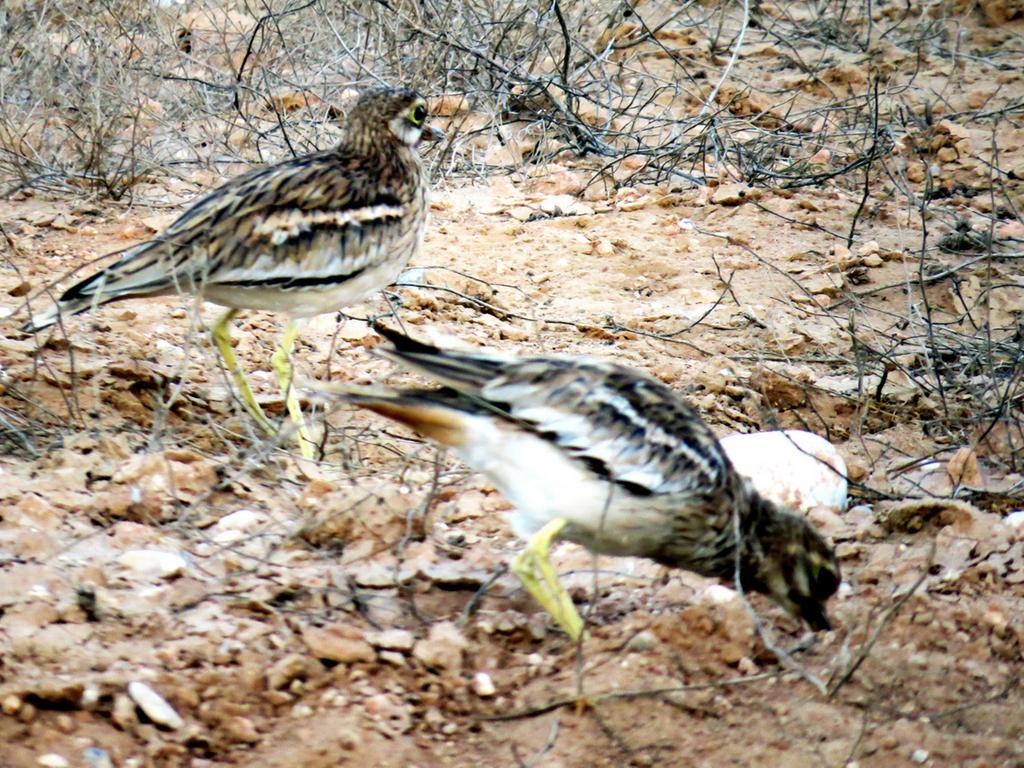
x=418, y=114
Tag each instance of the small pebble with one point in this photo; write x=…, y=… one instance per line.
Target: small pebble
x=52, y=760
x=123, y=712
x=332, y=697
x=719, y=594
x=39, y=592
x=90, y=696
x=564, y=205
x=11, y=704
x=537, y=625
x=348, y=738
x=155, y=562
x=483, y=685
x=394, y=658
x=97, y=758
x=868, y=248
x=919, y=756
x=285, y=670
x=747, y=666
x=242, y=729
x=391, y=639
x=242, y=520
x=443, y=647
x=331, y=643
x=154, y=705
x=642, y=641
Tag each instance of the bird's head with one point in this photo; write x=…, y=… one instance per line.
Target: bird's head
x=791, y=562
x=400, y=112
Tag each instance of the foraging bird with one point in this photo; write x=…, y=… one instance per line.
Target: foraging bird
x=305, y=236
x=607, y=457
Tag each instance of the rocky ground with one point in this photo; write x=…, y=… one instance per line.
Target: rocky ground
x=175, y=590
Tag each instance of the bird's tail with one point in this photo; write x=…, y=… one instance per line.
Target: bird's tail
x=67, y=305
x=437, y=414
x=466, y=372
x=143, y=271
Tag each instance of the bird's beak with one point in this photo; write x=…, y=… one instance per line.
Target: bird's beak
x=814, y=614
x=432, y=133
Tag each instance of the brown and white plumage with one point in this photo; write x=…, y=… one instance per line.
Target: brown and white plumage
x=304, y=236
x=630, y=467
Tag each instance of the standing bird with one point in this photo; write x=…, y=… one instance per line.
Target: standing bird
x=609, y=458
x=304, y=236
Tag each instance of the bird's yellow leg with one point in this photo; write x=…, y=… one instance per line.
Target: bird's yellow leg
x=222, y=338
x=282, y=365
x=534, y=569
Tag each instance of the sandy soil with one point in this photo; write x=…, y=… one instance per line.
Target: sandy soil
x=332, y=612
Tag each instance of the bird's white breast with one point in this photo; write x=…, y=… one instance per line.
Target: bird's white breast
x=543, y=482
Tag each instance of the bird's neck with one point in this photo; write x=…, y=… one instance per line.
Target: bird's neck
x=377, y=150
x=757, y=517
x=738, y=507
x=757, y=512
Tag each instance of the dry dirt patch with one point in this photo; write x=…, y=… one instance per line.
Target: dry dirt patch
x=332, y=613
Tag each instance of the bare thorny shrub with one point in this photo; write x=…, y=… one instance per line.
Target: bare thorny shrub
x=102, y=97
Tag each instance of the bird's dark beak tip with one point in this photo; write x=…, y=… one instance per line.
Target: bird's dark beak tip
x=818, y=620
x=432, y=133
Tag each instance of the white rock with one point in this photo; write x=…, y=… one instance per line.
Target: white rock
x=237, y=525
x=394, y=658
x=919, y=756
x=798, y=470
x=718, y=594
x=10, y=704
x=153, y=562
x=154, y=705
x=52, y=760
x=483, y=685
x=413, y=275
x=169, y=354
x=242, y=520
x=1015, y=519
x=642, y=641
x=443, y=647
x=40, y=592
x=97, y=758
x=391, y=639
x=564, y=205
x=90, y=695
x=123, y=712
